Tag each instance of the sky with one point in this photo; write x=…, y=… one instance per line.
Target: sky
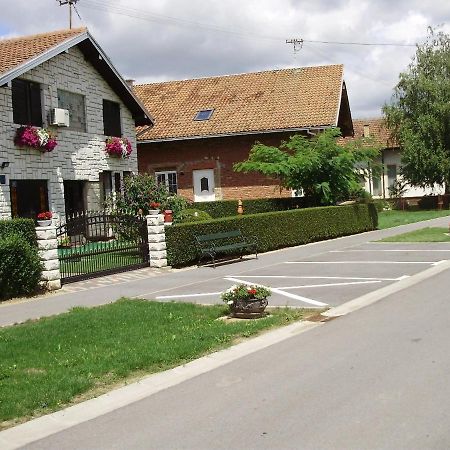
x=167, y=40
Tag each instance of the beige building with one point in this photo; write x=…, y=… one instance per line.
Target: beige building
x=390, y=160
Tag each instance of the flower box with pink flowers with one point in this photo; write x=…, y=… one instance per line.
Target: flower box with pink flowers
x=118, y=147
x=35, y=137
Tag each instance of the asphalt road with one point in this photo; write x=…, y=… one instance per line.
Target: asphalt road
x=376, y=378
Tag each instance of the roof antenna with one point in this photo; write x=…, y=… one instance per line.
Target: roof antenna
x=298, y=44
x=70, y=3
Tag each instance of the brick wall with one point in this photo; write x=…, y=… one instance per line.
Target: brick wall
x=213, y=153
x=79, y=155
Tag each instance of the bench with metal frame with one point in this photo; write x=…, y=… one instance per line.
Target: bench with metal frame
x=227, y=242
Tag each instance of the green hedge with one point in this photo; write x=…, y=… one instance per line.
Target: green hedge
x=20, y=267
x=21, y=227
x=274, y=230
x=227, y=208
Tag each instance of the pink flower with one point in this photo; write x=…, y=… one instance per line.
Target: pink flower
x=119, y=147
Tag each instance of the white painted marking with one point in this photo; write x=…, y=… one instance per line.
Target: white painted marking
x=329, y=284
x=389, y=250
x=280, y=292
x=321, y=278
x=359, y=262
x=206, y=294
x=439, y=262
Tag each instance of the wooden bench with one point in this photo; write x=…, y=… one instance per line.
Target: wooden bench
x=212, y=245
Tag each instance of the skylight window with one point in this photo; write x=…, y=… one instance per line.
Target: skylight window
x=204, y=114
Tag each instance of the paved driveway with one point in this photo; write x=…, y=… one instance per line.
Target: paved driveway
x=328, y=279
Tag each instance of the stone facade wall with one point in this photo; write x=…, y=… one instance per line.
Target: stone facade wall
x=214, y=153
x=78, y=155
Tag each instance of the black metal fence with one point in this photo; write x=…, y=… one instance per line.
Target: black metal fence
x=91, y=244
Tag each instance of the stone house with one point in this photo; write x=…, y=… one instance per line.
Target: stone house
x=203, y=126
x=62, y=82
x=390, y=160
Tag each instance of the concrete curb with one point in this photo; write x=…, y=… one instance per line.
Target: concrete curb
x=45, y=426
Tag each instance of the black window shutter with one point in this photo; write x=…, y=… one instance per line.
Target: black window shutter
x=20, y=102
x=35, y=105
x=26, y=100
x=111, y=118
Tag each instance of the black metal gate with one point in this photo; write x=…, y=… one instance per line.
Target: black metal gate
x=92, y=244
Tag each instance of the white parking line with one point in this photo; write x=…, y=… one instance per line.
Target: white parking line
x=360, y=262
x=389, y=250
x=324, y=278
x=329, y=284
x=206, y=294
x=280, y=292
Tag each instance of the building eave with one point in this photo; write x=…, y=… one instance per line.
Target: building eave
x=242, y=133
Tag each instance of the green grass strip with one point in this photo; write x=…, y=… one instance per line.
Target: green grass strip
x=423, y=235
x=47, y=364
x=389, y=219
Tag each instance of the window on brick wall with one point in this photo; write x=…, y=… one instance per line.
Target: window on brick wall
x=26, y=101
x=169, y=178
x=111, y=118
x=75, y=104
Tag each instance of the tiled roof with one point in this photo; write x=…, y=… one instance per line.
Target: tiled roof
x=377, y=129
x=251, y=102
x=16, y=51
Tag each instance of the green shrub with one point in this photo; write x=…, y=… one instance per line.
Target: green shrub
x=22, y=227
x=274, y=230
x=227, y=208
x=190, y=215
x=20, y=267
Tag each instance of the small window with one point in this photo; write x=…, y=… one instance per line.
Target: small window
x=204, y=184
x=392, y=174
x=111, y=119
x=74, y=103
x=26, y=101
x=204, y=114
x=169, y=178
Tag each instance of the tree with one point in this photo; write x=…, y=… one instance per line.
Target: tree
x=419, y=113
x=322, y=168
x=139, y=191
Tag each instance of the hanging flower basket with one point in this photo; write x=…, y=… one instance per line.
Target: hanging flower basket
x=118, y=147
x=35, y=137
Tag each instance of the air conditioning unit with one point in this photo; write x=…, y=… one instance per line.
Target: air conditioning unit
x=59, y=117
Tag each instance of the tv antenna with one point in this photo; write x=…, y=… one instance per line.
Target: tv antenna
x=297, y=43
x=71, y=4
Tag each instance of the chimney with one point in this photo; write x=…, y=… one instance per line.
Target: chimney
x=130, y=82
x=366, y=132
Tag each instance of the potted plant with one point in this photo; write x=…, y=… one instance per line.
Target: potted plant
x=118, y=147
x=64, y=242
x=35, y=137
x=154, y=208
x=246, y=301
x=44, y=219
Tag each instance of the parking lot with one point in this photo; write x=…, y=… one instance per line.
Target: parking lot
x=328, y=279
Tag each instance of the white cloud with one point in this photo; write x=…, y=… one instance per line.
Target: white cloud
x=161, y=48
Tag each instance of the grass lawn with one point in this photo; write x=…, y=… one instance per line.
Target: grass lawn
x=423, y=235
x=52, y=362
x=389, y=219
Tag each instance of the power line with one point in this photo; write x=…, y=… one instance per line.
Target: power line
x=177, y=21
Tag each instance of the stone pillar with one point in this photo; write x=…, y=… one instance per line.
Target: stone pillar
x=48, y=253
x=156, y=240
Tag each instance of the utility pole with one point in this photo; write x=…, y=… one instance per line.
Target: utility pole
x=298, y=44
x=70, y=3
